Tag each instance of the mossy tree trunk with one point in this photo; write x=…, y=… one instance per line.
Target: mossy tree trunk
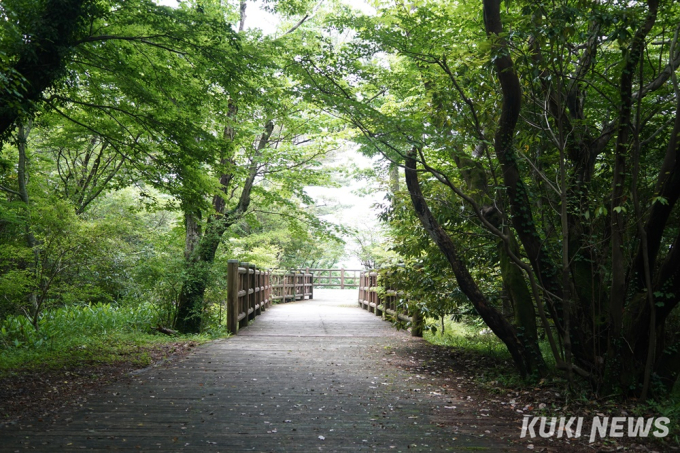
x=202, y=243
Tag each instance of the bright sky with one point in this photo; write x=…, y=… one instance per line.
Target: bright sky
x=353, y=210
x=257, y=17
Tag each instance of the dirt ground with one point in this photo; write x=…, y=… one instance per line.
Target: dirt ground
x=34, y=395
x=502, y=408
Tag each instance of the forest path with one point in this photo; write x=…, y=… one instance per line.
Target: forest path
x=313, y=375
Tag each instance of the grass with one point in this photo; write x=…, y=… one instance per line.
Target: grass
x=78, y=351
x=465, y=336
x=84, y=335
x=479, y=342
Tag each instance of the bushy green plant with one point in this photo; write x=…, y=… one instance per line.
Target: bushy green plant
x=471, y=337
x=428, y=288
x=75, y=321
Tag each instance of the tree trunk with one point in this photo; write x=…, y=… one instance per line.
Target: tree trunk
x=522, y=218
x=497, y=323
x=520, y=296
x=512, y=276
x=394, y=178
x=198, y=266
x=35, y=302
x=201, y=248
x=622, y=366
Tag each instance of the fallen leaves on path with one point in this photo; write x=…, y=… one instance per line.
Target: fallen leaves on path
x=39, y=395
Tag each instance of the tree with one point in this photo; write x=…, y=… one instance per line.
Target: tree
x=269, y=149
x=166, y=99
x=516, y=119
x=372, y=248
x=287, y=238
x=116, y=96
x=37, y=38
x=274, y=166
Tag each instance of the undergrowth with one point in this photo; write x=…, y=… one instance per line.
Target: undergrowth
x=85, y=335
x=469, y=337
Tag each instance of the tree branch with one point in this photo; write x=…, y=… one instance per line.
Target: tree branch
x=8, y=190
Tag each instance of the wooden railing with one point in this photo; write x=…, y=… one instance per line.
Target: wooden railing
x=383, y=300
x=294, y=285
x=342, y=278
x=250, y=290
x=249, y=293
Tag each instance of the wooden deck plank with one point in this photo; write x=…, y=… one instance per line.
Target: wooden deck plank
x=302, y=370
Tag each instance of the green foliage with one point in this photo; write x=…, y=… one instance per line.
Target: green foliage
x=424, y=274
x=425, y=80
x=373, y=249
x=78, y=335
x=172, y=102
x=276, y=240
x=64, y=242
x=430, y=290
x=471, y=337
x=76, y=321
x=669, y=407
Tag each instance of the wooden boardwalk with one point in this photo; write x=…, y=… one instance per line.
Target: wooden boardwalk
x=306, y=376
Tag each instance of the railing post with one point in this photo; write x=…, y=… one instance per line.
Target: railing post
x=362, y=280
x=265, y=285
x=260, y=282
x=384, y=297
x=243, y=295
x=368, y=299
x=232, y=296
x=386, y=294
x=265, y=289
x=368, y=293
x=295, y=286
x=368, y=290
x=374, y=295
x=309, y=276
x=271, y=288
x=258, y=290
x=285, y=287
x=251, y=287
x=284, y=277
x=246, y=297
x=378, y=311
x=311, y=287
x=342, y=278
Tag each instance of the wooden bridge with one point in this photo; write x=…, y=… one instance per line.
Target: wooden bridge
x=251, y=291
x=310, y=375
